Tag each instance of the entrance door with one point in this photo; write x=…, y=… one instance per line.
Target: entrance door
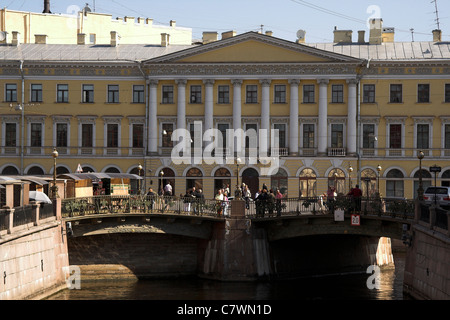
x=251, y=178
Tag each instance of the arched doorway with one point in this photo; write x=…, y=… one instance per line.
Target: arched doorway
x=112, y=170
x=166, y=176
x=222, y=179
x=194, y=178
x=136, y=186
x=308, y=183
x=445, y=178
x=62, y=170
x=336, y=179
x=87, y=169
x=251, y=178
x=280, y=181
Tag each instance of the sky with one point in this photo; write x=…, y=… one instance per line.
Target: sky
x=283, y=17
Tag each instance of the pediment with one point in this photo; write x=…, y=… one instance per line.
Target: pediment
x=253, y=47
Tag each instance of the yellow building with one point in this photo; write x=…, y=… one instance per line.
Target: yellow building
x=82, y=26
x=346, y=112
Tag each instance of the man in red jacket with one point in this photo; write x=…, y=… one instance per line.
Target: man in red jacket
x=356, y=195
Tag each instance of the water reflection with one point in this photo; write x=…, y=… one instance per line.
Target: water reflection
x=319, y=288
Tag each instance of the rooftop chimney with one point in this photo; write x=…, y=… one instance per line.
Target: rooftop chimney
x=40, y=39
x=209, y=37
x=46, y=6
x=376, y=26
x=15, y=38
x=344, y=36
x=388, y=35
x=114, y=38
x=228, y=34
x=361, y=36
x=437, y=35
x=165, y=39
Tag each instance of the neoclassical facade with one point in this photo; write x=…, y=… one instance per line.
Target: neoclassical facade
x=338, y=116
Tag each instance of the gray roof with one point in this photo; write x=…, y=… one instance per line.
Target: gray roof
x=86, y=53
x=389, y=51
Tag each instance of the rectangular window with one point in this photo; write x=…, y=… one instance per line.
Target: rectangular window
x=423, y=93
x=337, y=135
x=252, y=94
x=88, y=93
x=396, y=93
x=224, y=94
x=395, y=136
x=112, y=139
x=196, y=94
x=423, y=136
x=138, y=94
x=167, y=94
x=10, y=135
x=368, y=136
x=280, y=93
x=61, y=134
x=369, y=93
x=138, y=135
x=249, y=127
x=309, y=93
x=281, y=127
x=167, y=135
x=92, y=38
x=36, y=135
x=447, y=136
x=36, y=93
x=308, y=136
x=62, y=94
x=87, y=131
x=113, y=93
x=11, y=93
x=337, y=93
x=223, y=127
x=447, y=92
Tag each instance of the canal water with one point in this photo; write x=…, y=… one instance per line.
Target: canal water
x=334, y=287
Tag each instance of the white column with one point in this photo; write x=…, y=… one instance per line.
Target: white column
x=181, y=104
x=293, y=118
x=209, y=104
x=351, y=120
x=152, y=118
x=323, y=117
x=265, y=114
x=237, y=107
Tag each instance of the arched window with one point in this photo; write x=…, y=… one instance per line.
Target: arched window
x=112, y=170
x=61, y=170
x=394, y=184
x=280, y=181
x=368, y=183
x=336, y=178
x=308, y=183
x=35, y=171
x=194, y=178
x=88, y=169
x=445, y=178
x=10, y=170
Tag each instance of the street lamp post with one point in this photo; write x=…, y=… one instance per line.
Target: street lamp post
x=54, y=188
x=238, y=191
x=350, y=170
x=378, y=179
x=420, y=156
x=139, y=181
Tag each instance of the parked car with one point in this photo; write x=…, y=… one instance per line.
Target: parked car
x=442, y=195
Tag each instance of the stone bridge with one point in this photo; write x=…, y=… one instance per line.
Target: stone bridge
x=240, y=246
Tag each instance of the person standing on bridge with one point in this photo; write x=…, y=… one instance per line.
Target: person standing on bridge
x=356, y=195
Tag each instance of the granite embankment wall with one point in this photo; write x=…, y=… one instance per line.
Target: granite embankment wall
x=33, y=257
